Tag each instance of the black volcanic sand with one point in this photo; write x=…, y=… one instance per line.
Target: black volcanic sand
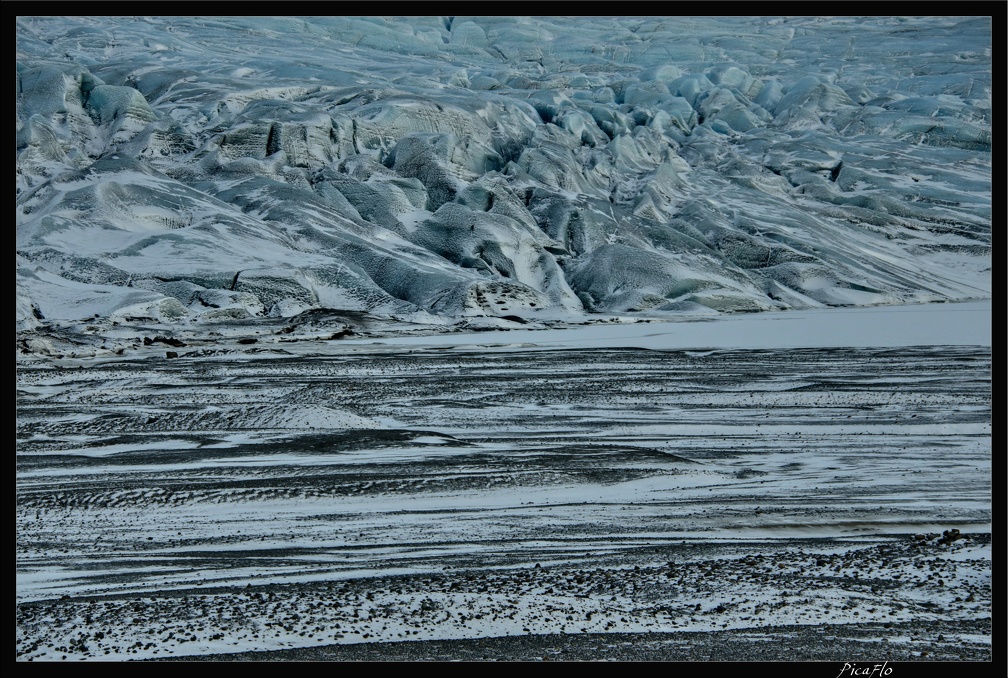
x=920, y=641
x=575, y=499
x=948, y=622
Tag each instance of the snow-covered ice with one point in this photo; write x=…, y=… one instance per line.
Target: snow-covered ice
x=194, y=169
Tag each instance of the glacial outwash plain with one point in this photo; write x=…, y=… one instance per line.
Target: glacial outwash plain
x=504, y=339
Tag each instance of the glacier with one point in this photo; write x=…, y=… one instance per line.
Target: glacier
x=437, y=170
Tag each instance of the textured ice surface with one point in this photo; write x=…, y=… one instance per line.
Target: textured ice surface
x=193, y=169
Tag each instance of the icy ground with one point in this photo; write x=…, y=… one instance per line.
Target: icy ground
x=340, y=332
x=250, y=498
x=194, y=170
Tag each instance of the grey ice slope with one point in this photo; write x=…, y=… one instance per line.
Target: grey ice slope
x=215, y=169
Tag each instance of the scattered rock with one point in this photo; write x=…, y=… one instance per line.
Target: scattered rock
x=949, y=536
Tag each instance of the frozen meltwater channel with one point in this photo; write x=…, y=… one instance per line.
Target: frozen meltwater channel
x=960, y=324
x=490, y=490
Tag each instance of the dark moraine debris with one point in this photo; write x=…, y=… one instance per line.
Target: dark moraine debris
x=170, y=341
